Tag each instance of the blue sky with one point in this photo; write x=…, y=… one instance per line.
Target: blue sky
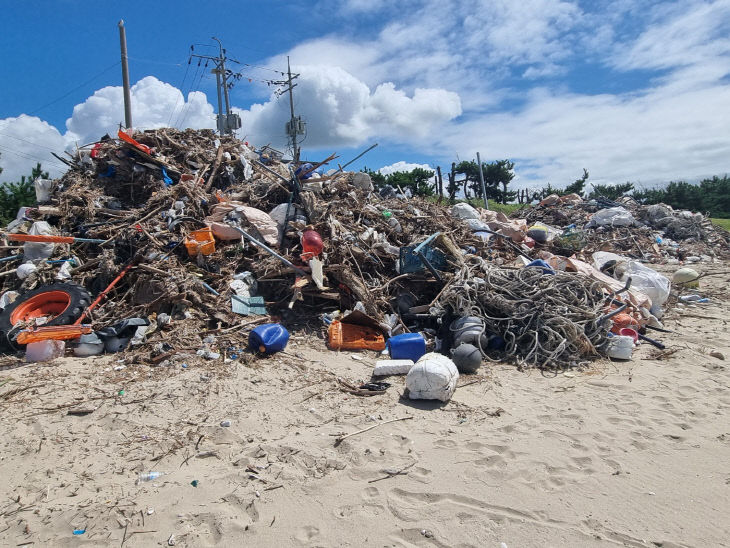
x=631, y=90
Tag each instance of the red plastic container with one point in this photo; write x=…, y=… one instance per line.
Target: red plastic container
x=312, y=242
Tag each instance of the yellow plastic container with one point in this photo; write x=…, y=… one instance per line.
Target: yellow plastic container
x=200, y=242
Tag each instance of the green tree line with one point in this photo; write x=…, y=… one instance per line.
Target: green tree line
x=17, y=194
x=708, y=196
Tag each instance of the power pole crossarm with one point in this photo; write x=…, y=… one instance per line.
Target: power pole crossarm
x=227, y=122
x=296, y=124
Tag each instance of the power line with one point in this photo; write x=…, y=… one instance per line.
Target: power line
x=76, y=88
x=263, y=68
x=177, y=100
x=197, y=87
x=138, y=59
x=186, y=93
x=29, y=142
x=29, y=157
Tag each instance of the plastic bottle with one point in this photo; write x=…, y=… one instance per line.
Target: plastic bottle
x=148, y=476
x=408, y=346
x=268, y=338
x=395, y=225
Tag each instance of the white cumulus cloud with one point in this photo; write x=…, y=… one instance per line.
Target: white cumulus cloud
x=403, y=167
x=154, y=104
x=342, y=111
x=25, y=141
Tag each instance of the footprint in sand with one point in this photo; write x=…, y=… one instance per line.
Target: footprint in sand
x=445, y=444
x=306, y=534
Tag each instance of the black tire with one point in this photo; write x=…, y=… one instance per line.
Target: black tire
x=79, y=300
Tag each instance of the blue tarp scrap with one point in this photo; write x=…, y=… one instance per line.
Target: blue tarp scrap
x=248, y=305
x=166, y=177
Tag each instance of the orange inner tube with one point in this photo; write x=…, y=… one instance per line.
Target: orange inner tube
x=50, y=303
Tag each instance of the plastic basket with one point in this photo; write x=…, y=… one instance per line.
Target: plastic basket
x=410, y=262
x=200, y=242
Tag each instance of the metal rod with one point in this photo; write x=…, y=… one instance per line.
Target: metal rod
x=363, y=153
x=270, y=251
x=279, y=175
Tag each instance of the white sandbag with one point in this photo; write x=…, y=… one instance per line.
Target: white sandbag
x=25, y=270
x=613, y=216
x=464, y=211
x=43, y=190
x=279, y=213
x=392, y=367
x=620, y=347
x=434, y=377
x=34, y=251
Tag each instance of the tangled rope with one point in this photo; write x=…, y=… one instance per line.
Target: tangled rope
x=546, y=321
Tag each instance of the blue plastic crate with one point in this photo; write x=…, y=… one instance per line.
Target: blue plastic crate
x=410, y=262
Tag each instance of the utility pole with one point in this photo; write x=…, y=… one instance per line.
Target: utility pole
x=227, y=121
x=295, y=126
x=125, y=76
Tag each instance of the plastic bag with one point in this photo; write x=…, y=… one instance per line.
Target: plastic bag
x=434, y=377
x=464, y=211
x=613, y=216
x=247, y=169
x=475, y=225
x=647, y=280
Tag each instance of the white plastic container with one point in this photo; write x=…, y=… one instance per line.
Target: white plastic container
x=620, y=347
x=392, y=367
x=44, y=351
x=434, y=377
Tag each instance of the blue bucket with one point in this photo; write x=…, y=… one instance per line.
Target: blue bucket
x=408, y=346
x=268, y=338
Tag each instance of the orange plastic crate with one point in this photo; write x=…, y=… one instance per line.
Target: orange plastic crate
x=200, y=242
